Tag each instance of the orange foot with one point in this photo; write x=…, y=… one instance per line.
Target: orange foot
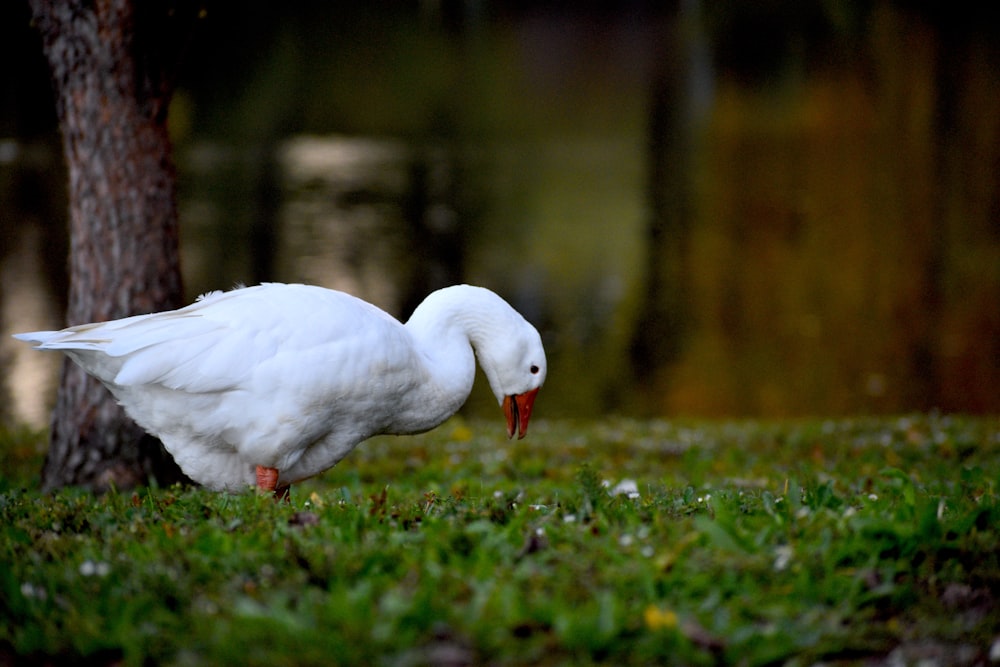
x=267, y=481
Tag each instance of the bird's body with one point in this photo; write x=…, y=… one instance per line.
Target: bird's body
x=290, y=378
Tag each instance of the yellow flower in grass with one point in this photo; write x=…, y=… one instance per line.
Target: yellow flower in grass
x=659, y=619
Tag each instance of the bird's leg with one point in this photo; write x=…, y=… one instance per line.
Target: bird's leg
x=267, y=478
x=267, y=482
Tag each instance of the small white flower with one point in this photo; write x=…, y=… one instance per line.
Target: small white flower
x=625, y=540
x=995, y=650
x=872, y=496
x=89, y=568
x=29, y=590
x=569, y=518
x=626, y=487
x=782, y=557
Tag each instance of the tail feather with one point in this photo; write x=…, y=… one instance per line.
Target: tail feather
x=59, y=340
x=39, y=338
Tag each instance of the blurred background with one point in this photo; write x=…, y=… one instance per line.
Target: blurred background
x=738, y=208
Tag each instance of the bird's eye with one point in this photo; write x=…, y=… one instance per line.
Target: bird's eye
x=534, y=369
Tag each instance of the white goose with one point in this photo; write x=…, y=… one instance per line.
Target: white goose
x=271, y=384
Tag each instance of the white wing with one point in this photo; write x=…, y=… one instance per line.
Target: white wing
x=215, y=343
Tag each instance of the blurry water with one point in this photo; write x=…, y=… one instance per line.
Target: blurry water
x=27, y=306
x=829, y=175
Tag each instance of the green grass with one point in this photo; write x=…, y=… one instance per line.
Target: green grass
x=749, y=543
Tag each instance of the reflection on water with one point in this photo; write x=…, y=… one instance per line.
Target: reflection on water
x=26, y=306
x=833, y=204
x=336, y=222
x=345, y=193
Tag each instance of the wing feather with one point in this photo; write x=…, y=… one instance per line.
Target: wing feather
x=215, y=343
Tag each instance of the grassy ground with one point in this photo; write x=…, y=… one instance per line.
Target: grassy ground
x=620, y=542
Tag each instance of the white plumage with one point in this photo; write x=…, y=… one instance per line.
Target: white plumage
x=275, y=383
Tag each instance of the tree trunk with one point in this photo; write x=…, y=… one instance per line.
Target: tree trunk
x=112, y=66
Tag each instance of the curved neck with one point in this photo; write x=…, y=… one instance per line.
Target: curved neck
x=442, y=329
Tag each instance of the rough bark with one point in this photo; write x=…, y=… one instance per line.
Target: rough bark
x=112, y=70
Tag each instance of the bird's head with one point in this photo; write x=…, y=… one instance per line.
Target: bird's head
x=514, y=363
x=508, y=347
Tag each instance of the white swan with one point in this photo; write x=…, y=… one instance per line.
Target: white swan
x=271, y=384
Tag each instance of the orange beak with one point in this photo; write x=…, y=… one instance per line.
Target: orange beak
x=517, y=409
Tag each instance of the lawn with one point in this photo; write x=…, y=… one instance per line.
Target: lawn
x=625, y=542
